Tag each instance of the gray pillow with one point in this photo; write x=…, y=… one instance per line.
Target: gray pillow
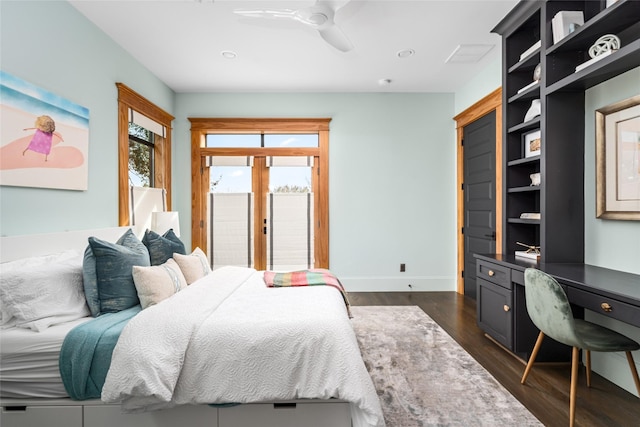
x=161, y=248
x=112, y=289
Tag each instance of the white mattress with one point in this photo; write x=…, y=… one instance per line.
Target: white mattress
x=29, y=361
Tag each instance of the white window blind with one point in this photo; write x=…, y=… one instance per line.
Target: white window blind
x=147, y=123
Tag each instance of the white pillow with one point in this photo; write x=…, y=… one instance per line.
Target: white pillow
x=39, y=292
x=158, y=282
x=193, y=266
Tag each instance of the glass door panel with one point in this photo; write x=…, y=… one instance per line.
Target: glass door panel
x=290, y=213
x=230, y=213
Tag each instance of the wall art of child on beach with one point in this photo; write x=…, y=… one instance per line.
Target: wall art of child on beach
x=44, y=138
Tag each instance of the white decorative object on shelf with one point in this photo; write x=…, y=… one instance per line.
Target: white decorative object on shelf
x=533, y=111
x=535, y=179
x=533, y=252
x=532, y=49
x=565, y=22
x=611, y=2
x=603, y=47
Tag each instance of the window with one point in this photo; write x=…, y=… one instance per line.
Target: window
x=144, y=148
x=260, y=191
x=141, y=158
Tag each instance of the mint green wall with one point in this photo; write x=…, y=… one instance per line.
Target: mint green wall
x=608, y=243
x=53, y=46
x=481, y=85
x=392, y=179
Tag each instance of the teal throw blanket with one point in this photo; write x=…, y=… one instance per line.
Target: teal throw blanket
x=86, y=353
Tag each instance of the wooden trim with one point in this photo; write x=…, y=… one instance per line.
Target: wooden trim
x=200, y=127
x=242, y=125
x=129, y=99
x=491, y=102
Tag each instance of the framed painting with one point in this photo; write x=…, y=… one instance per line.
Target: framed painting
x=618, y=160
x=532, y=143
x=44, y=138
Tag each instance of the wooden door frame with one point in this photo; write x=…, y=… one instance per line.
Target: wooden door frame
x=200, y=127
x=491, y=102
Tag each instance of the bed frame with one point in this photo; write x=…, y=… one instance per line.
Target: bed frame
x=94, y=413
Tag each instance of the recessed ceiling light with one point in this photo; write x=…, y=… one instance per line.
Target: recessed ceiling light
x=405, y=53
x=229, y=54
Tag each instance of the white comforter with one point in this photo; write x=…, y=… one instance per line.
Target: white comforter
x=229, y=338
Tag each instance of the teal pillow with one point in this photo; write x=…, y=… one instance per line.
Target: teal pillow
x=161, y=248
x=113, y=288
x=90, y=282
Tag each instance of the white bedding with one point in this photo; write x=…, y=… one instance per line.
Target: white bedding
x=29, y=361
x=229, y=338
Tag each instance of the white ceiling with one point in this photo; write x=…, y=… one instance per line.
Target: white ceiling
x=180, y=41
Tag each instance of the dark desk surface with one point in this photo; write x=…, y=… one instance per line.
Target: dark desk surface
x=615, y=284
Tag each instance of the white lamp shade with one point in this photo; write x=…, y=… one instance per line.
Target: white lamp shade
x=161, y=222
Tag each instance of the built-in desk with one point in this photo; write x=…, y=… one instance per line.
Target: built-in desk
x=501, y=306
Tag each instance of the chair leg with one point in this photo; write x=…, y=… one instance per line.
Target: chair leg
x=574, y=385
x=634, y=371
x=588, y=360
x=532, y=359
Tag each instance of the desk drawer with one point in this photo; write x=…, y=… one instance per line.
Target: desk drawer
x=494, y=273
x=603, y=305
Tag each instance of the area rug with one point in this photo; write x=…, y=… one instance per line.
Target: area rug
x=424, y=378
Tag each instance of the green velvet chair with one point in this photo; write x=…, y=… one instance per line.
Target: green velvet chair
x=549, y=309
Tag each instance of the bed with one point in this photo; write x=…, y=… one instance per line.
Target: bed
x=224, y=351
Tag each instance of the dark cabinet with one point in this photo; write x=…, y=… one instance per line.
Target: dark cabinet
x=502, y=312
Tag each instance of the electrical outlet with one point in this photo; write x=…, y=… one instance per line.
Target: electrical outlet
x=402, y=268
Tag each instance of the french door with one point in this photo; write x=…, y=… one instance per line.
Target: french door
x=260, y=193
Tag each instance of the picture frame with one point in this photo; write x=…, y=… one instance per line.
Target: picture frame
x=618, y=160
x=532, y=143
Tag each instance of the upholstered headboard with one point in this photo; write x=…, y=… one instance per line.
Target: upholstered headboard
x=28, y=245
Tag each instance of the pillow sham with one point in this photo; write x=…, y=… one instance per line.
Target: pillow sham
x=40, y=292
x=112, y=286
x=193, y=266
x=157, y=283
x=161, y=248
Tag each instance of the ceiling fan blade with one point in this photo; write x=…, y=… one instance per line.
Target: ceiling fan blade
x=333, y=35
x=268, y=14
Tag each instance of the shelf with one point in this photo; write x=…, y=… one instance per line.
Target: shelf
x=528, y=188
x=523, y=221
x=625, y=59
x=521, y=127
x=612, y=19
x=528, y=63
x=524, y=160
x=531, y=93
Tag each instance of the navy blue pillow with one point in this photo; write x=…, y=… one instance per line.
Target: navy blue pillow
x=113, y=263
x=161, y=248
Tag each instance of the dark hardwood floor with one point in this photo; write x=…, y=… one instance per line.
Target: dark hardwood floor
x=546, y=393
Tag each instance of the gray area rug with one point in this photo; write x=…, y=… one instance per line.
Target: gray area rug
x=424, y=378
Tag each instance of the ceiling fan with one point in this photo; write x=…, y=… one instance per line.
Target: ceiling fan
x=319, y=16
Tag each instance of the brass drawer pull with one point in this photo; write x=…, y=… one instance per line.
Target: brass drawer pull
x=506, y=307
x=491, y=273
x=606, y=307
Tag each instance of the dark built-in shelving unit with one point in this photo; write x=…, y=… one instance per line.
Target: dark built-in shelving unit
x=560, y=197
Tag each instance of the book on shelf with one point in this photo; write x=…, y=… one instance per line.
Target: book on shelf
x=528, y=255
x=532, y=49
x=530, y=215
x=532, y=84
x=596, y=59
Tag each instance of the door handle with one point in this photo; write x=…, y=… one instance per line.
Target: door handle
x=491, y=236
